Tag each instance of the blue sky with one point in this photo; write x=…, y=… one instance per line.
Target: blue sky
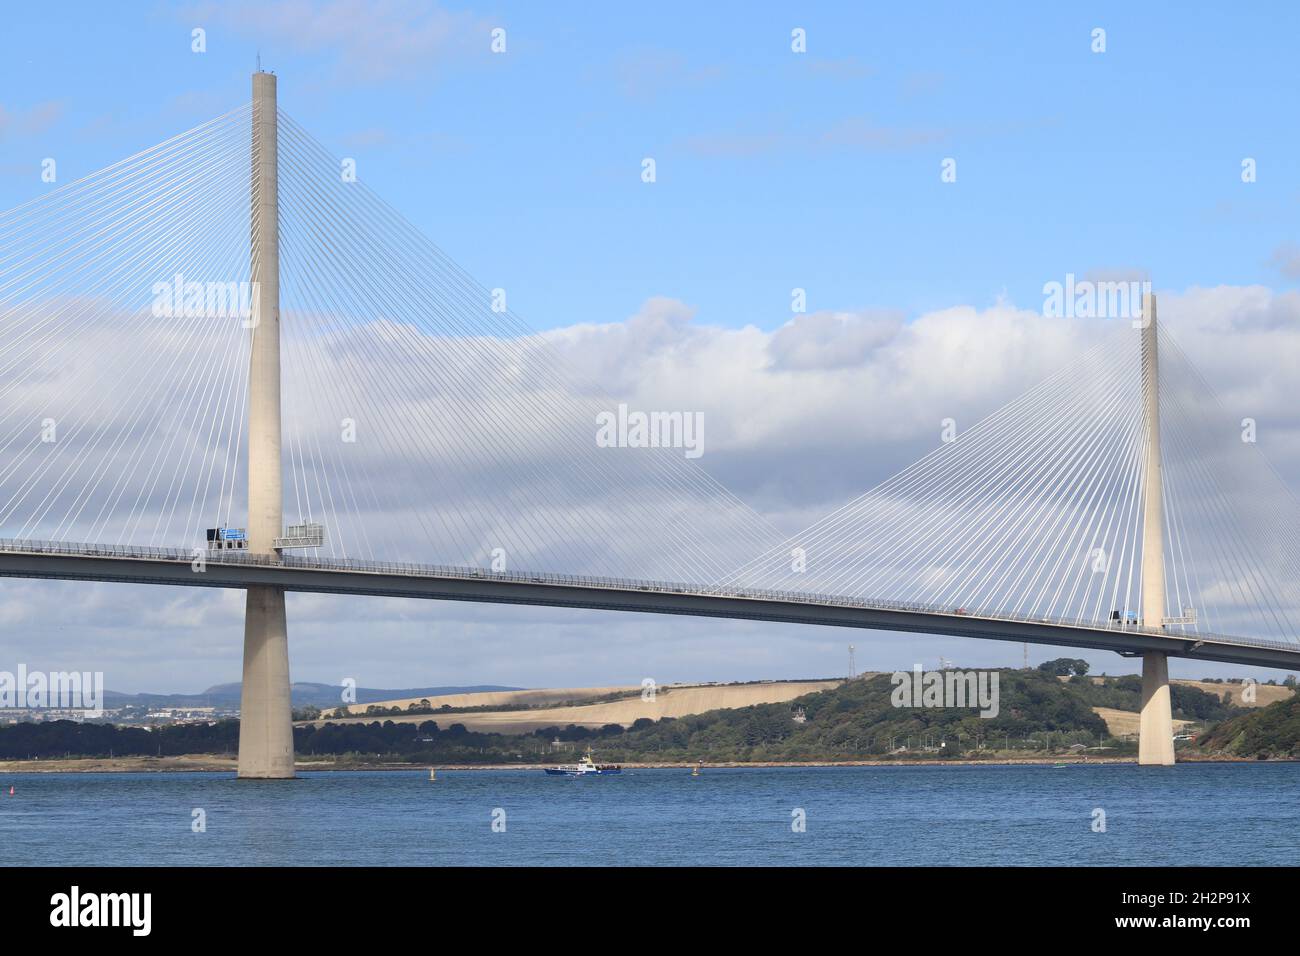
x=775, y=170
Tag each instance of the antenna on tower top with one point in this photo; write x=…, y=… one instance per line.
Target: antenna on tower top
x=259, y=61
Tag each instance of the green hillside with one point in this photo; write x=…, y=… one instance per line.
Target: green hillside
x=1272, y=731
x=858, y=719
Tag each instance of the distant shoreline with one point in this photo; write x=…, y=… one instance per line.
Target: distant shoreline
x=217, y=764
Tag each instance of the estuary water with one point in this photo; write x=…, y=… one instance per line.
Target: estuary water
x=1191, y=814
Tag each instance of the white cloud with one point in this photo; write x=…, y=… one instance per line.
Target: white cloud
x=830, y=340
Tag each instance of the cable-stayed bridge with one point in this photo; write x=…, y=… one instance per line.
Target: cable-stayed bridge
x=190, y=347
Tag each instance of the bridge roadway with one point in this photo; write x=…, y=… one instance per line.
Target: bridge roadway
x=174, y=567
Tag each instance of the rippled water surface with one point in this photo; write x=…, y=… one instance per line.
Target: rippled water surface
x=1208, y=814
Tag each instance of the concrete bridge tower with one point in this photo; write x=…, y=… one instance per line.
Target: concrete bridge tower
x=1156, y=726
x=266, y=718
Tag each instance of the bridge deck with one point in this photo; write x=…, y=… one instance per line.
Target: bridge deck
x=173, y=566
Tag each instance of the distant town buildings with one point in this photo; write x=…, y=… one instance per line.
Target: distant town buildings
x=128, y=716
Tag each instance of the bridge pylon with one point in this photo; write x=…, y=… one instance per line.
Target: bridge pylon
x=1156, y=723
x=265, y=714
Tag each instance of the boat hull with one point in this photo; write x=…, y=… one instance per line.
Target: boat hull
x=558, y=772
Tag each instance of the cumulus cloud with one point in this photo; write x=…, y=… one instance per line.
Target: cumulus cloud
x=828, y=340
x=804, y=417
x=836, y=388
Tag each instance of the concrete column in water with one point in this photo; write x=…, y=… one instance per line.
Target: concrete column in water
x=1156, y=724
x=266, y=717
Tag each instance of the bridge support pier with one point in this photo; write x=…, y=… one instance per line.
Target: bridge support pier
x=265, y=710
x=1156, y=723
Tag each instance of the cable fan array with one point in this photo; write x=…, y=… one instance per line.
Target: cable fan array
x=1037, y=511
x=425, y=423
x=1231, y=521
x=121, y=407
x=420, y=423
